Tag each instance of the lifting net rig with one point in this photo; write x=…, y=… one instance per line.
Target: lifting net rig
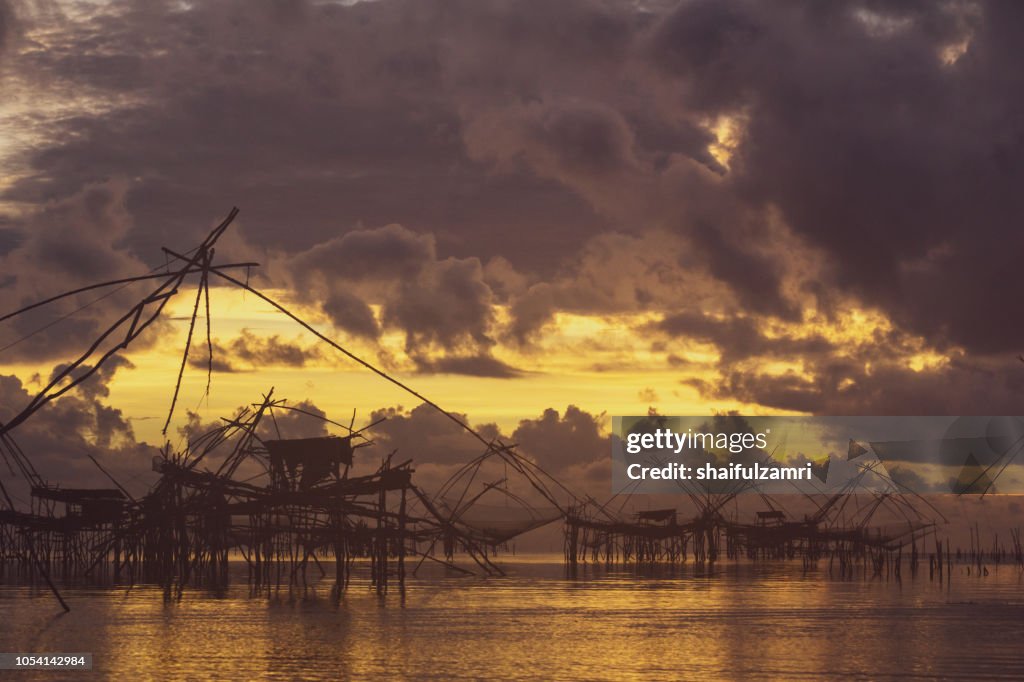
x=310, y=506
x=843, y=524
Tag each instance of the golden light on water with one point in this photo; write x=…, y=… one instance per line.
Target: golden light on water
x=727, y=621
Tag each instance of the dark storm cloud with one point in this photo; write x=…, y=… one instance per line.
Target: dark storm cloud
x=557, y=442
x=887, y=139
x=427, y=436
x=901, y=167
x=454, y=305
x=372, y=114
x=390, y=252
x=349, y=312
x=470, y=365
x=578, y=143
x=338, y=115
x=96, y=386
x=67, y=244
x=851, y=387
x=560, y=444
x=6, y=25
x=755, y=279
x=58, y=438
x=738, y=338
x=569, y=447
x=438, y=303
x=248, y=352
x=613, y=273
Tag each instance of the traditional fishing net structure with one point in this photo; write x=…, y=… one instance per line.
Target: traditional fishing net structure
x=307, y=507
x=242, y=489
x=843, y=528
x=493, y=499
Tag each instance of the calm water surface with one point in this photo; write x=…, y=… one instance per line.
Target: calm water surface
x=736, y=621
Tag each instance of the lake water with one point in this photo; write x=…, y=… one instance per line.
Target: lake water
x=735, y=621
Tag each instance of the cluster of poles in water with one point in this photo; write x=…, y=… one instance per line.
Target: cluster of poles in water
x=843, y=544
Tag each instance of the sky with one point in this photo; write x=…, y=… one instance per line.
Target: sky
x=538, y=214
